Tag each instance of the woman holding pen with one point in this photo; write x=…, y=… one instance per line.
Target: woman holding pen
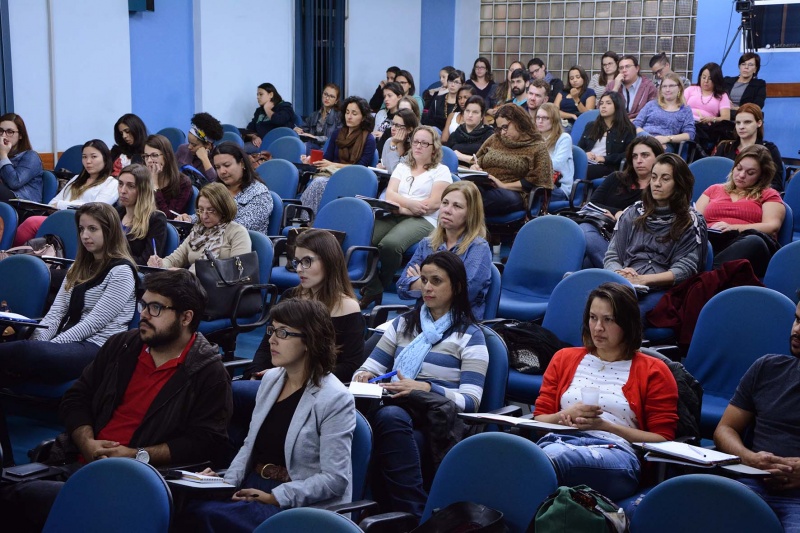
x=440, y=356
x=611, y=392
x=144, y=226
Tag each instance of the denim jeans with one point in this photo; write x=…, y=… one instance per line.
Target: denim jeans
x=603, y=464
x=398, y=467
x=596, y=246
x=43, y=361
x=785, y=504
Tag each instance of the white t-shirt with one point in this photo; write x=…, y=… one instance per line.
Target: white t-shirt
x=419, y=187
x=609, y=378
x=105, y=192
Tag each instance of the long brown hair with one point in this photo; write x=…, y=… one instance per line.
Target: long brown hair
x=555, y=124
x=23, y=142
x=765, y=162
x=115, y=245
x=625, y=307
x=680, y=201
x=337, y=281
x=170, y=173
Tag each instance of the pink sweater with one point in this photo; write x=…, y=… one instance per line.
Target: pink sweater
x=705, y=106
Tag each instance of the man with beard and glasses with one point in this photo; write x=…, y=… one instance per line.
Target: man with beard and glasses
x=519, y=84
x=766, y=409
x=159, y=394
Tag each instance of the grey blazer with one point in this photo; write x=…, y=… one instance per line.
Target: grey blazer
x=317, y=448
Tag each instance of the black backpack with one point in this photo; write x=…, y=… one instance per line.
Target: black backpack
x=530, y=346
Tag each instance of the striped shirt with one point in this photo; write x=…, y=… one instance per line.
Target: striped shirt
x=455, y=367
x=107, y=310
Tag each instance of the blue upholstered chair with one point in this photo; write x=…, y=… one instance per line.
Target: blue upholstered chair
x=709, y=171
x=176, y=137
x=63, y=224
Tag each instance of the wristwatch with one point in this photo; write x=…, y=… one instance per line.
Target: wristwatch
x=142, y=456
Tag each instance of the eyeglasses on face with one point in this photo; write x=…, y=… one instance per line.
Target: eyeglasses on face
x=8, y=133
x=304, y=262
x=669, y=86
x=398, y=126
x=328, y=95
x=152, y=156
x=283, y=333
x=503, y=128
x=209, y=211
x=153, y=308
x=422, y=144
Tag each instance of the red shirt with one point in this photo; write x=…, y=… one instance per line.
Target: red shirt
x=721, y=208
x=651, y=390
x=145, y=384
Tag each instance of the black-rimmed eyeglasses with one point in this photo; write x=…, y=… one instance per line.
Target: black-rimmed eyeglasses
x=283, y=333
x=153, y=308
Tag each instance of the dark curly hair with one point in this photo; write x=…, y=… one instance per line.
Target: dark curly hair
x=210, y=126
x=313, y=319
x=368, y=122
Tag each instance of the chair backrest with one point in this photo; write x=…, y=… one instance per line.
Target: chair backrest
x=280, y=176
x=580, y=124
x=10, y=222
x=786, y=232
x=355, y=218
x=717, y=358
x=49, y=186
x=114, y=494
x=709, y=171
x=24, y=284
x=71, y=159
x=348, y=182
x=231, y=128
x=262, y=246
x=792, y=199
x=492, y=295
x=277, y=133
x=176, y=136
x=276, y=216
x=494, y=387
x=361, y=453
x=172, y=242
x=565, y=308
x=288, y=148
x=229, y=136
x=298, y=120
x=191, y=205
x=307, y=519
x=545, y=249
x=450, y=159
x=580, y=161
x=696, y=503
x=375, y=158
x=62, y=223
x=783, y=274
x=502, y=471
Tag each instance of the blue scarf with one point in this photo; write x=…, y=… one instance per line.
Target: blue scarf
x=409, y=362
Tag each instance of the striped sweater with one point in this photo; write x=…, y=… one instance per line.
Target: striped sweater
x=455, y=367
x=108, y=310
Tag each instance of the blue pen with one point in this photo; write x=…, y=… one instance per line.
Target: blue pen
x=385, y=376
x=154, y=247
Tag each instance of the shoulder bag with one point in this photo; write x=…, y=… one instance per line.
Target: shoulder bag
x=223, y=279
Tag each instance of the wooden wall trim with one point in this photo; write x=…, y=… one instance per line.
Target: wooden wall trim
x=783, y=90
x=48, y=160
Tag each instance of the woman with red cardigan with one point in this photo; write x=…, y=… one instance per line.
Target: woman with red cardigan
x=612, y=393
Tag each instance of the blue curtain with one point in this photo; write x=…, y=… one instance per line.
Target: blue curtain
x=319, y=51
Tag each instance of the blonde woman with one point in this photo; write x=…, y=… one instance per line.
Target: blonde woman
x=416, y=187
x=215, y=231
x=461, y=230
x=559, y=146
x=144, y=225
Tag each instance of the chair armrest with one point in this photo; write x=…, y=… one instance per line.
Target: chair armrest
x=58, y=261
x=360, y=505
x=231, y=366
x=389, y=522
x=538, y=192
x=41, y=452
x=500, y=266
x=290, y=201
x=372, y=265
x=589, y=185
x=279, y=245
x=291, y=214
x=271, y=294
x=380, y=314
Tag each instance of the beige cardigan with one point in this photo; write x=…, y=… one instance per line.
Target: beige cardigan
x=235, y=241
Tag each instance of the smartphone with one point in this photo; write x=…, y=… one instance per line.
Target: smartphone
x=316, y=155
x=23, y=471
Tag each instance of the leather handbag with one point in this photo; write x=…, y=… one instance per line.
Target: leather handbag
x=223, y=279
x=464, y=516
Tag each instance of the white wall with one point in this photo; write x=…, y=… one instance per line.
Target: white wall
x=92, y=69
x=380, y=33
x=238, y=49
x=467, y=34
